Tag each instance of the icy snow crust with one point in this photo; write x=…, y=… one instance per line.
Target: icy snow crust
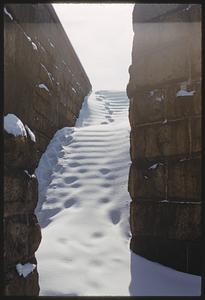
x=13, y=125
x=83, y=210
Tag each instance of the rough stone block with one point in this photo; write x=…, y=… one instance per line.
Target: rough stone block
x=149, y=183
x=166, y=220
x=180, y=106
x=196, y=136
x=158, y=140
x=184, y=256
x=146, y=107
x=20, y=193
x=16, y=234
x=21, y=286
x=184, y=180
x=34, y=238
x=15, y=151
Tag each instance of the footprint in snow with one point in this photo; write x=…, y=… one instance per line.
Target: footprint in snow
x=103, y=123
x=74, y=165
x=70, y=179
x=104, y=200
x=97, y=234
x=104, y=171
x=96, y=262
x=70, y=202
x=76, y=185
x=115, y=216
x=61, y=154
x=83, y=170
x=58, y=168
x=106, y=185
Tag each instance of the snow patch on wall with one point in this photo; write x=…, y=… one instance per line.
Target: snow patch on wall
x=31, y=134
x=7, y=13
x=25, y=270
x=13, y=125
x=43, y=86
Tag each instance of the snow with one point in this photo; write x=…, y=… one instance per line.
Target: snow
x=153, y=167
x=48, y=73
x=83, y=210
x=184, y=93
x=51, y=44
x=43, y=86
x=34, y=46
x=8, y=14
x=31, y=176
x=28, y=37
x=31, y=134
x=13, y=125
x=25, y=269
x=159, y=99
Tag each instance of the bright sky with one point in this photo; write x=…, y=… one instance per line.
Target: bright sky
x=101, y=35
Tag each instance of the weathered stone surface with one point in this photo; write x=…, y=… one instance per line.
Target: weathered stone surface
x=15, y=151
x=184, y=180
x=50, y=60
x=20, y=286
x=184, y=256
x=146, y=107
x=16, y=239
x=165, y=212
x=157, y=42
x=147, y=183
x=158, y=140
x=22, y=234
x=20, y=193
x=182, y=107
x=195, y=134
x=167, y=220
x=34, y=237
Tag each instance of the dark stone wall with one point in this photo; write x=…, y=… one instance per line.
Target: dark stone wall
x=36, y=52
x=165, y=175
x=50, y=60
x=22, y=234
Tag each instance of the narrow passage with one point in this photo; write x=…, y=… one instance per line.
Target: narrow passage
x=83, y=210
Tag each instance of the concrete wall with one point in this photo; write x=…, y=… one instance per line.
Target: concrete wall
x=44, y=86
x=165, y=175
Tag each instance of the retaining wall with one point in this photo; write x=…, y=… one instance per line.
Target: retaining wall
x=165, y=175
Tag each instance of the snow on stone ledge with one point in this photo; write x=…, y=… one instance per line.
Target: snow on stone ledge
x=43, y=86
x=7, y=13
x=184, y=93
x=25, y=270
x=31, y=134
x=13, y=125
x=153, y=167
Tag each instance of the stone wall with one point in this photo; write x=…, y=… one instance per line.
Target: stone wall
x=22, y=234
x=37, y=52
x=165, y=117
x=44, y=86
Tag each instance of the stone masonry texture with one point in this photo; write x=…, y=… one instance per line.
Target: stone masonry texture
x=44, y=86
x=38, y=51
x=165, y=139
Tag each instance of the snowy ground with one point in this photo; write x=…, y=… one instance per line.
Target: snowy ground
x=83, y=210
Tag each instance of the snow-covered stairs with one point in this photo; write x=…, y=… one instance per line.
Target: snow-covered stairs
x=83, y=210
